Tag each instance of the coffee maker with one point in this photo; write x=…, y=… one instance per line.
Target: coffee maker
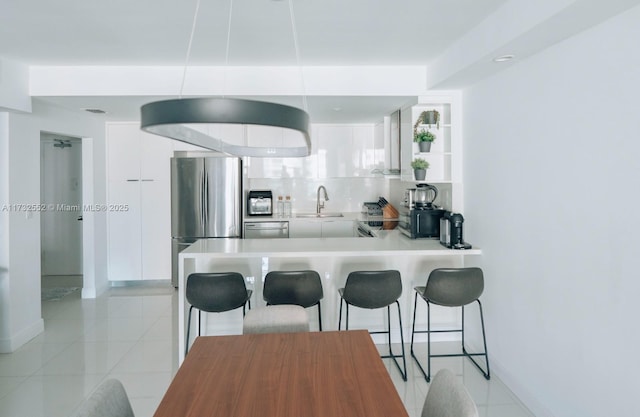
x=451, y=231
x=421, y=217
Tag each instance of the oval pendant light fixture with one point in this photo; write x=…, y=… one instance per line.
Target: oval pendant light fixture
x=168, y=118
x=171, y=118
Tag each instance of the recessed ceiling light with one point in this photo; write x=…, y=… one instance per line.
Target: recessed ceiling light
x=503, y=58
x=337, y=109
x=96, y=111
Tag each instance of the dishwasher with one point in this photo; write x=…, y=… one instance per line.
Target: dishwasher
x=266, y=230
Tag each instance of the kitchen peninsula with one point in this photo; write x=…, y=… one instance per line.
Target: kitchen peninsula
x=333, y=258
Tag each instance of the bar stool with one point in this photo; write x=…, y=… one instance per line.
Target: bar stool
x=450, y=287
x=373, y=290
x=286, y=318
x=302, y=288
x=215, y=292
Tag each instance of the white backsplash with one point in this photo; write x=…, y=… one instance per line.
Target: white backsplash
x=345, y=194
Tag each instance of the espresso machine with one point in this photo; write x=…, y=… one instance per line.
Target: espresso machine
x=451, y=234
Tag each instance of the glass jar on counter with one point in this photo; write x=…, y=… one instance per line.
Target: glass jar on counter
x=287, y=206
x=280, y=207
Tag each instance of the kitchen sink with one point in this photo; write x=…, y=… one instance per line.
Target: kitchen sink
x=318, y=215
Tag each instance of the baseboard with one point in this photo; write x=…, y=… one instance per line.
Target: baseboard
x=89, y=293
x=22, y=337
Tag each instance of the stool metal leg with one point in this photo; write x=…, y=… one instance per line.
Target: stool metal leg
x=340, y=315
x=319, y=317
x=391, y=355
x=346, y=325
x=427, y=373
x=413, y=332
x=403, y=371
x=484, y=341
x=428, y=342
x=486, y=374
x=186, y=345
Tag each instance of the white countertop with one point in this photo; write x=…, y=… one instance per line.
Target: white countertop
x=388, y=243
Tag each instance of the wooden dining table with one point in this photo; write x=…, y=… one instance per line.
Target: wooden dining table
x=309, y=374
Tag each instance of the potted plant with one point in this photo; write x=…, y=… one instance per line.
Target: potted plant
x=419, y=166
x=430, y=117
x=424, y=139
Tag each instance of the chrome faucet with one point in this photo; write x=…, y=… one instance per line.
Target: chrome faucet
x=320, y=205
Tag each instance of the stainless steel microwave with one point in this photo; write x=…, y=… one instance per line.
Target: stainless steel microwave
x=260, y=203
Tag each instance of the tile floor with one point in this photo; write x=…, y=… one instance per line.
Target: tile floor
x=129, y=332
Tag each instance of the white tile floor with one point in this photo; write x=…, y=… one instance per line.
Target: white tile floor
x=129, y=333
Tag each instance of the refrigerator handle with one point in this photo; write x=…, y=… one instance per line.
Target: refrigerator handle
x=202, y=199
x=206, y=199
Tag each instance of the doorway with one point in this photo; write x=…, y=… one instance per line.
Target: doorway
x=61, y=216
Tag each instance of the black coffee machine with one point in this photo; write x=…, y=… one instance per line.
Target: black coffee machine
x=451, y=231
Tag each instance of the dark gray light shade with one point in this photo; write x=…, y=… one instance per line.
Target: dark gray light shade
x=168, y=118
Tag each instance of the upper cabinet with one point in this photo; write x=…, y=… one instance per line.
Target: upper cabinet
x=337, y=151
x=262, y=136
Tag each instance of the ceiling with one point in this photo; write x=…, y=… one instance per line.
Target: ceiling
x=259, y=33
x=156, y=32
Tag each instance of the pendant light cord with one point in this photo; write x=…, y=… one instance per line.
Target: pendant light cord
x=228, y=47
x=297, y=49
x=186, y=61
x=226, y=52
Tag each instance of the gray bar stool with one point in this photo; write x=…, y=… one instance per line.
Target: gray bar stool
x=215, y=292
x=450, y=287
x=303, y=288
x=373, y=290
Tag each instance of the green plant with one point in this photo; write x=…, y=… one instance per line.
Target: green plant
x=428, y=117
x=419, y=163
x=423, y=136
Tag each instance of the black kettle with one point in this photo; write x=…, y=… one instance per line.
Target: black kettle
x=424, y=195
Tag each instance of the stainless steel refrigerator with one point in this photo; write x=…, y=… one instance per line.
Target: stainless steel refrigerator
x=206, y=202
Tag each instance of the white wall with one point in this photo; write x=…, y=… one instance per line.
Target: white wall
x=4, y=225
x=14, y=86
x=21, y=178
x=551, y=191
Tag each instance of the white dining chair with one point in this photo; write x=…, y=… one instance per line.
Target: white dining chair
x=109, y=400
x=448, y=397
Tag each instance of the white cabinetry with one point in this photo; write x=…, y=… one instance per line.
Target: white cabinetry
x=348, y=150
x=261, y=136
x=337, y=151
x=338, y=228
x=305, y=228
x=321, y=228
x=139, y=206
